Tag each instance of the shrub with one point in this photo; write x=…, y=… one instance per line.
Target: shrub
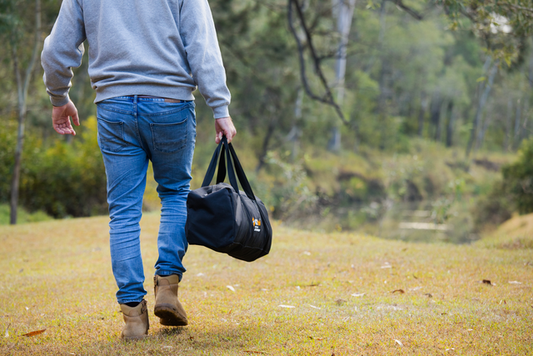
x=518, y=178
x=67, y=179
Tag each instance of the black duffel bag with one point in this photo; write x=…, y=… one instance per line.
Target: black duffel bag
x=225, y=219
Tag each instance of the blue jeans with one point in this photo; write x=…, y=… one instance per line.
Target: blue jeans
x=131, y=131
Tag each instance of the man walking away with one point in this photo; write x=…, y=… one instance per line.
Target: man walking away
x=145, y=60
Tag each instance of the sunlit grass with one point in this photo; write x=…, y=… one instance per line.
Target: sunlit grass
x=516, y=233
x=336, y=289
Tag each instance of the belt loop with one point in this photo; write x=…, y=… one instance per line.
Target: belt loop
x=135, y=99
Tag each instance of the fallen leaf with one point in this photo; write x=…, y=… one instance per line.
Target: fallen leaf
x=7, y=331
x=398, y=342
x=200, y=274
x=340, y=301
x=514, y=282
x=254, y=352
x=312, y=306
x=358, y=294
x=429, y=295
x=401, y=291
x=231, y=288
x=307, y=253
x=386, y=266
x=33, y=333
x=487, y=281
x=286, y=306
x=415, y=276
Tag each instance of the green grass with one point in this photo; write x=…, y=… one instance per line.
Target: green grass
x=57, y=276
x=22, y=215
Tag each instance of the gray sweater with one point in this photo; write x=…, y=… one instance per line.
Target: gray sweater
x=161, y=48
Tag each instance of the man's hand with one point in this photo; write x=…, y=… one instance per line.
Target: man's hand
x=224, y=126
x=61, y=118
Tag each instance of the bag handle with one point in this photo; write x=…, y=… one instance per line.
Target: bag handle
x=229, y=153
x=240, y=174
x=211, y=169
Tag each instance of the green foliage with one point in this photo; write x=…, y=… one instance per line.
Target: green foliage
x=290, y=193
x=66, y=179
x=502, y=24
x=518, y=178
x=8, y=140
x=493, y=208
x=22, y=215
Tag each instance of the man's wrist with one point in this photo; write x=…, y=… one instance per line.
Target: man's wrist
x=57, y=102
x=221, y=112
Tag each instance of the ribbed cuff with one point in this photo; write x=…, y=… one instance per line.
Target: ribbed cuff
x=221, y=112
x=59, y=101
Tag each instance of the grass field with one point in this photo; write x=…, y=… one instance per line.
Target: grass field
x=315, y=294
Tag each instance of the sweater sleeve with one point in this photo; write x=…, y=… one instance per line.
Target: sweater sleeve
x=63, y=49
x=199, y=37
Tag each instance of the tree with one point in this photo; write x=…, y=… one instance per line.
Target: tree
x=17, y=32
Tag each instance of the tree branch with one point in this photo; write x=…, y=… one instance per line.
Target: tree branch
x=407, y=9
x=328, y=98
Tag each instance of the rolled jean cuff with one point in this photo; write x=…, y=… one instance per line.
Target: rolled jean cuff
x=125, y=301
x=169, y=273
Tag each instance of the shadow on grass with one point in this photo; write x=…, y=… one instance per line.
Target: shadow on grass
x=170, y=331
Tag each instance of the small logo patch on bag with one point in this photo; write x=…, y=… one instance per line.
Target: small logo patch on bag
x=257, y=224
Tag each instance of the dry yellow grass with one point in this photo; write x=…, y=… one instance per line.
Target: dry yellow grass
x=315, y=294
x=515, y=233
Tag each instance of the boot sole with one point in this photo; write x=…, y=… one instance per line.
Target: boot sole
x=169, y=316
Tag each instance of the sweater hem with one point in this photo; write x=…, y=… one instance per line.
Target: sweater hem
x=179, y=93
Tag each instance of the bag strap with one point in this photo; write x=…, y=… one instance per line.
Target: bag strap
x=212, y=166
x=220, y=155
x=240, y=174
x=226, y=157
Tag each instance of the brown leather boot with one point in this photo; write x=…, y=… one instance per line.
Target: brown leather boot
x=136, y=320
x=167, y=306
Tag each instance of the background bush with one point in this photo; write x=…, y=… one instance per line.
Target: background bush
x=65, y=179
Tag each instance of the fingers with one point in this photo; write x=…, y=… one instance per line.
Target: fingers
x=224, y=126
x=64, y=128
x=61, y=116
x=76, y=119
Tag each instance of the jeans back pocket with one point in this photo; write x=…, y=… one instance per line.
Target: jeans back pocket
x=110, y=135
x=169, y=137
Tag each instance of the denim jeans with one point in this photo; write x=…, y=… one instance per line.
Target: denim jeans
x=131, y=131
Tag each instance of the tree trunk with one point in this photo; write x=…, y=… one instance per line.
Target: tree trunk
x=508, y=120
x=422, y=113
x=481, y=104
x=481, y=134
x=451, y=123
x=266, y=141
x=525, y=112
x=22, y=95
x=516, y=135
x=343, y=12
x=294, y=134
x=435, y=112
